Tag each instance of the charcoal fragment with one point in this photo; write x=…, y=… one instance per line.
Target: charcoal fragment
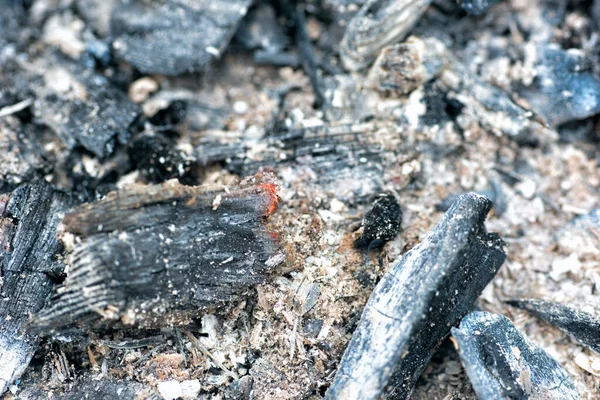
x=477, y=7
x=81, y=106
x=28, y=222
x=89, y=386
x=565, y=89
x=173, y=37
x=503, y=364
x=416, y=302
x=381, y=223
x=377, y=24
x=344, y=159
x=582, y=326
x=154, y=256
x=157, y=159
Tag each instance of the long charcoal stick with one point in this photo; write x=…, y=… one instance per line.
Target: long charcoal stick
x=416, y=303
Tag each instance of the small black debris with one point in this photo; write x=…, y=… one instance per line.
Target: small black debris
x=381, y=223
x=582, y=326
x=503, y=364
x=412, y=308
x=157, y=159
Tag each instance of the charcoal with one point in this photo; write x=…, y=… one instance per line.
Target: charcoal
x=344, y=159
x=156, y=157
x=20, y=156
x=152, y=256
x=173, y=37
x=377, y=24
x=503, y=364
x=81, y=106
x=381, y=223
x=477, y=7
x=565, y=88
x=416, y=302
x=582, y=326
x=29, y=254
x=90, y=387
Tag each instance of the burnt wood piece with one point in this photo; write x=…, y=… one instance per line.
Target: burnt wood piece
x=173, y=37
x=29, y=251
x=377, y=24
x=160, y=255
x=381, y=223
x=417, y=301
x=81, y=106
x=503, y=364
x=582, y=326
x=90, y=387
x=348, y=160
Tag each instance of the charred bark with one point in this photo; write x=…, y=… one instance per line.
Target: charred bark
x=29, y=254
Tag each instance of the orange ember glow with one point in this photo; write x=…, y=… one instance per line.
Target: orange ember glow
x=271, y=189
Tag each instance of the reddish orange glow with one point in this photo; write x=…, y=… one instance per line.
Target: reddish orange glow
x=271, y=189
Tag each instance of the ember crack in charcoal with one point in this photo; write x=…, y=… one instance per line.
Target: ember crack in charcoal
x=503, y=364
x=160, y=255
x=28, y=255
x=416, y=302
x=584, y=327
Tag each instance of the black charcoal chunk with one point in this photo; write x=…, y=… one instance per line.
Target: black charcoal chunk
x=580, y=325
x=377, y=24
x=503, y=364
x=173, y=37
x=157, y=158
x=153, y=256
x=81, y=106
x=29, y=253
x=477, y=7
x=565, y=88
x=412, y=308
x=381, y=223
x=91, y=387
